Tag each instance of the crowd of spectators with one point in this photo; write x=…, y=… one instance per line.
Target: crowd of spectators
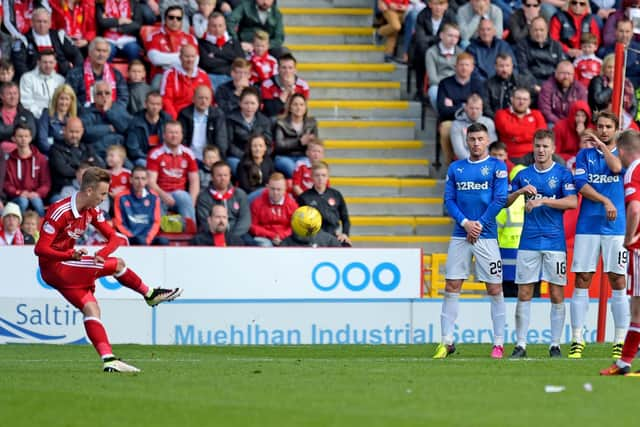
x=533, y=63
x=195, y=107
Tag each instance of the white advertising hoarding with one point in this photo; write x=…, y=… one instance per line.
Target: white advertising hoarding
x=272, y=322
x=241, y=273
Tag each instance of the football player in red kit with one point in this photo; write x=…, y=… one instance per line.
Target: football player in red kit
x=73, y=271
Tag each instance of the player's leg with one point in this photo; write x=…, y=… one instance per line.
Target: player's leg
x=622, y=366
x=98, y=336
x=457, y=269
x=528, y=266
x=489, y=271
x=127, y=277
x=554, y=272
x=614, y=259
x=585, y=261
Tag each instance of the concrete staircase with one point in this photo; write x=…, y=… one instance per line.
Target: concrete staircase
x=379, y=159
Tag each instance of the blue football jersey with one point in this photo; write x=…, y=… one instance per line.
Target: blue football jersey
x=592, y=169
x=476, y=191
x=543, y=227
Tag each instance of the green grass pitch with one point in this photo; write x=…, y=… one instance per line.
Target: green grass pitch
x=303, y=386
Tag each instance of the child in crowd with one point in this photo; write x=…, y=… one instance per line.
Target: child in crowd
x=31, y=224
x=120, y=177
x=587, y=65
x=210, y=155
x=200, y=19
x=7, y=72
x=138, y=87
x=498, y=150
x=302, y=180
x=263, y=65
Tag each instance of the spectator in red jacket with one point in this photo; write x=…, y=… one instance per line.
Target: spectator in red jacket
x=163, y=47
x=77, y=19
x=517, y=124
x=569, y=130
x=179, y=83
x=567, y=26
x=271, y=213
x=27, y=181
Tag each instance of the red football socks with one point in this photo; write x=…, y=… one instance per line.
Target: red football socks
x=132, y=281
x=631, y=343
x=98, y=336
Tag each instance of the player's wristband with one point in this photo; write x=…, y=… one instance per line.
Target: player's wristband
x=463, y=222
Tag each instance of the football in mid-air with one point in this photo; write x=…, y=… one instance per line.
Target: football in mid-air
x=306, y=221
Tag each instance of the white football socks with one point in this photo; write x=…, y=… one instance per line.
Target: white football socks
x=523, y=313
x=498, y=318
x=557, y=315
x=579, y=309
x=449, y=315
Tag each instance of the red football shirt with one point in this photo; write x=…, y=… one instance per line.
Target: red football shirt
x=632, y=189
x=172, y=169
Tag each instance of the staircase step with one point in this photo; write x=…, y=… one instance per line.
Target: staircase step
x=369, y=129
x=400, y=225
x=378, y=167
x=334, y=36
x=325, y=3
x=333, y=90
x=346, y=71
x=388, y=149
x=344, y=108
x=425, y=206
x=388, y=187
x=356, y=53
x=342, y=17
x=429, y=244
x=328, y=31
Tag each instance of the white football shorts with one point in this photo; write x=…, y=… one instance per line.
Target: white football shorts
x=533, y=266
x=488, y=261
x=588, y=247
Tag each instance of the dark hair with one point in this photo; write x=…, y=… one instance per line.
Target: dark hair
x=287, y=57
x=249, y=90
x=210, y=147
x=135, y=62
x=153, y=93
x=173, y=7
x=171, y=123
x=497, y=145
x=21, y=126
x=138, y=168
x=503, y=56
x=477, y=127
x=608, y=114
x=219, y=164
x=46, y=52
x=215, y=15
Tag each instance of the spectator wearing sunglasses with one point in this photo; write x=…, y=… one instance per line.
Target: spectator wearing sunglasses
x=520, y=20
x=567, y=26
x=165, y=44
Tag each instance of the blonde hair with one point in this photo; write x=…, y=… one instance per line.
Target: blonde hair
x=261, y=35
x=67, y=90
x=117, y=148
x=608, y=60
